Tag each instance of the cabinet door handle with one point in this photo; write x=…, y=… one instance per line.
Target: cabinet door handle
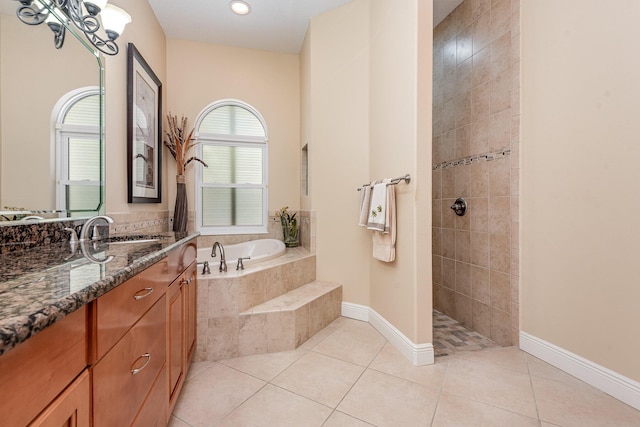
x=137, y=295
x=148, y=357
x=188, y=281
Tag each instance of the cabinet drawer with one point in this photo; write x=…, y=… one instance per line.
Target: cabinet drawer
x=153, y=412
x=123, y=378
x=117, y=310
x=37, y=370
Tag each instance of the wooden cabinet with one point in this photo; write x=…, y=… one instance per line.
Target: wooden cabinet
x=118, y=310
x=124, y=377
x=71, y=408
x=119, y=361
x=175, y=339
x=140, y=342
x=38, y=370
x=191, y=318
x=181, y=332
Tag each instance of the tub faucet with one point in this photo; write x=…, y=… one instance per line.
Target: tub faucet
x=223, y=261
x=240, y=265
x=84, y=232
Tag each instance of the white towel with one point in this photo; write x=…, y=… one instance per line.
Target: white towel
x=365, y=202
x=378, y=208
x=384, y=242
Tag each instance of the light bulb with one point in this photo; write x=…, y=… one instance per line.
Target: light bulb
x=114, y=20
x=240, y=7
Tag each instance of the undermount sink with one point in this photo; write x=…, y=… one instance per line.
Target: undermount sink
x=139, y=238
x=125, y=242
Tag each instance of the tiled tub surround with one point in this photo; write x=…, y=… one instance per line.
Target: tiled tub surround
x=41, y=285
x=272, y=306
x=476, y=112
x=306, y=222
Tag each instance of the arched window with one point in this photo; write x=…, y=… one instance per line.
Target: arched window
x=77, y=146
x=231, y=193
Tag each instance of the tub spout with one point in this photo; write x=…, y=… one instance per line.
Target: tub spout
x=223, y=261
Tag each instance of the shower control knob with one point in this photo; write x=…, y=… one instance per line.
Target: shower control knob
x=459, y=206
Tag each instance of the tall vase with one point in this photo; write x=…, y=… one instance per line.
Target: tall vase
x=180, y=210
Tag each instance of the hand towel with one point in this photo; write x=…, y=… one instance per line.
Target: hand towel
x=365, y=202
x=378, y=208
x=384, y=243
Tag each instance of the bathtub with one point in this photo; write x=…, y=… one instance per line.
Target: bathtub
x=259, y=250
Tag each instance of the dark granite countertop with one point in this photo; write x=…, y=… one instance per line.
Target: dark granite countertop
x=41, y=285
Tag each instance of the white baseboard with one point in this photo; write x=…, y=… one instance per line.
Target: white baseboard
x=610, y=382
x=417, y=354
x=355, y=311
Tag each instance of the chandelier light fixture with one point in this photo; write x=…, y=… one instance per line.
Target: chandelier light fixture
x=86, y=15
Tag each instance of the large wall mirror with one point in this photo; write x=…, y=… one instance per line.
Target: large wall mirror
x=51, y=124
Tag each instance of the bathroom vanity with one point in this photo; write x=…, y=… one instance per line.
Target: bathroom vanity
x=98, y=341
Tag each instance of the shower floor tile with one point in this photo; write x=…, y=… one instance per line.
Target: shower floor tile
x=450, y=336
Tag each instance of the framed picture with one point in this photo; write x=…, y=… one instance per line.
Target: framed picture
x=144, y=130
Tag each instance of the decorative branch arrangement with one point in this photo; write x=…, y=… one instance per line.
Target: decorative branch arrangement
x=179, y=143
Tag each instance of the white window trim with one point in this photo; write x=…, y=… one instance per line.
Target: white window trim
x=227, y=140
x=59, y=137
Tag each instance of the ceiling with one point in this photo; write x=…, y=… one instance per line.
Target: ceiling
x=274, y=25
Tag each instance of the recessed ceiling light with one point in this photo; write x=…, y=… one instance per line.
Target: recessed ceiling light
x=240, y=7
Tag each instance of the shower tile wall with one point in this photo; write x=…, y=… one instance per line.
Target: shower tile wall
x=476, y=116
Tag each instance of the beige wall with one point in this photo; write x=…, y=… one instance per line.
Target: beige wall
x=394, y=152
x=201, y=74
x=423, y=216
x=580, y=180
x=147, y=35
x=337, y=131
x=361, y=122
x=476, y=112
x=34, y=76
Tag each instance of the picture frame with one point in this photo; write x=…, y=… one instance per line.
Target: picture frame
x=144, y=130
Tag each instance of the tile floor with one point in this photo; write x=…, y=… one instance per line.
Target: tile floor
x=450, y=336
x=349, y=375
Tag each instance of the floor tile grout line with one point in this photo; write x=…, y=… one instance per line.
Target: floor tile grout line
x=440, y=391
x=241, y=403
x=473, y=399
x=533, y=390
x=355, y=382
x=181, y=420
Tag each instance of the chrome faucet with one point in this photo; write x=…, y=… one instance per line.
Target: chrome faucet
x=84, y=232
x=223, y=261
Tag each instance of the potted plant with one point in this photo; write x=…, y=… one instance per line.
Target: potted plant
x=179, y=142
x=289, y=228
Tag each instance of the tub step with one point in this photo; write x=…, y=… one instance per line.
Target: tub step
x=285, y=322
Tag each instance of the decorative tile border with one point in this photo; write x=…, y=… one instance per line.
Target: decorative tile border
x=472, y=160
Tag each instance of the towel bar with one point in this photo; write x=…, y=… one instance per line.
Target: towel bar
x=394, y=181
